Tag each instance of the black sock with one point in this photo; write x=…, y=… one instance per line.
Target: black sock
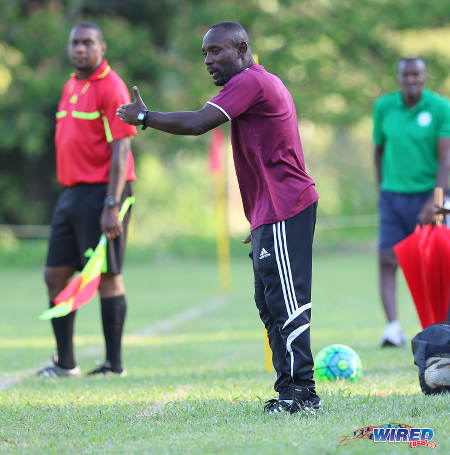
x=63, y=330
x=114, y=310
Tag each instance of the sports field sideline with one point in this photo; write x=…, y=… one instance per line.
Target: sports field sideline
x=196, y=379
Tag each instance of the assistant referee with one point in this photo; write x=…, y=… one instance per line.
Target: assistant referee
x=95, y=167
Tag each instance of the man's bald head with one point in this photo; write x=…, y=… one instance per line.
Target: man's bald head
x=234, y=32
x=407, y=60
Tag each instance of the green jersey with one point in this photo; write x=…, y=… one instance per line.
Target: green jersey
x=409, y=137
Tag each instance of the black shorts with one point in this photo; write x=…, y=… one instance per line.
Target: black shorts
x=398, y=214
x=75, y=227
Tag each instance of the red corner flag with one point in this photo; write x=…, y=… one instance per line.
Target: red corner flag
x=215, y=150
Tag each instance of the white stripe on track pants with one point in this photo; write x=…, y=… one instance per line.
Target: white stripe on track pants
x=282, y=266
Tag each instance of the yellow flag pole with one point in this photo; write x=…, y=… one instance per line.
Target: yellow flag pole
x=218, y=167
x=267, y=349
x=268, y=352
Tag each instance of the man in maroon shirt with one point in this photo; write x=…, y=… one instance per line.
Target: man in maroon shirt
x=279, y=198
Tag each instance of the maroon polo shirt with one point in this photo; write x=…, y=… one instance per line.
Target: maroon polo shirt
x=267, y=151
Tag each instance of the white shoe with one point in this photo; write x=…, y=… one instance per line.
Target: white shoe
x=393, y=335
x=437, y=371
x=55, y=371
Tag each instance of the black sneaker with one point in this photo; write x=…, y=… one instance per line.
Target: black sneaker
x=106, y=369
x=55, y=371
x=275, y=406
x=305, y=400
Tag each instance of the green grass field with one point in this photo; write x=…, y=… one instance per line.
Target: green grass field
x=196, y=379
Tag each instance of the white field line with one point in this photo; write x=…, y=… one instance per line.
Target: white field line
x=163, y=326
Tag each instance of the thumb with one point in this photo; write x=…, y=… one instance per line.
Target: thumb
x=137, y=96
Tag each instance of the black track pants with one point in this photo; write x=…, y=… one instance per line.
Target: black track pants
x=282, y=265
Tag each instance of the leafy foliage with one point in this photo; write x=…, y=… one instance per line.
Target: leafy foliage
x=335, y=57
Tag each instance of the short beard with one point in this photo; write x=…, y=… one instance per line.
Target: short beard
x=220, y=83
x=80, y=68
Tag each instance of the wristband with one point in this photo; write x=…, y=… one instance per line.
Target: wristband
x=142, y=117
x=110, y=202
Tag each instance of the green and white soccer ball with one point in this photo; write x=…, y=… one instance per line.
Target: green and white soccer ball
x=337, y=361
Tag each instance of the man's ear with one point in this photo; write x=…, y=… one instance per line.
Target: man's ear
x=103, y=48
x=242, y=49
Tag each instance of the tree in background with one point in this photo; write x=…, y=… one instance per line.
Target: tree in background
x=335, y=57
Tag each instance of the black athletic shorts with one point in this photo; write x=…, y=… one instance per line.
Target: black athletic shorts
x=76, y=227
x=398, y=214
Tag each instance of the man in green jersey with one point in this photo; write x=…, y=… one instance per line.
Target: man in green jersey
x=412, y=156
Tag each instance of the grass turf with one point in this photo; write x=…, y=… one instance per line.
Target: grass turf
x=197, y=384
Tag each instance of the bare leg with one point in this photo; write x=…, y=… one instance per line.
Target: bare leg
x=111, y=286
x=388, y=268
x=393, y=334
x=56, y=279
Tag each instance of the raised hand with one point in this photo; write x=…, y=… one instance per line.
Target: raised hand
x=128, y=112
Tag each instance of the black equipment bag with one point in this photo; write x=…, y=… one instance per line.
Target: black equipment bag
x=434, y=341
